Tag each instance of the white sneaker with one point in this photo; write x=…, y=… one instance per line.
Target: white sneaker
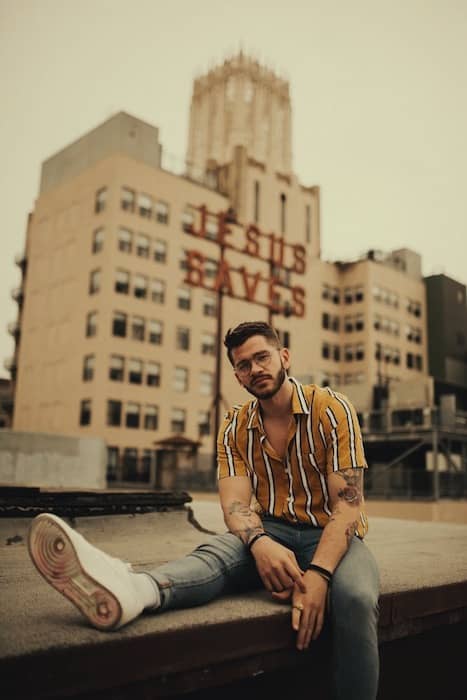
x=99, y=585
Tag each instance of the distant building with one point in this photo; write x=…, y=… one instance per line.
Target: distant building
x=447, y=329
x=6, y=403
x=113, y=340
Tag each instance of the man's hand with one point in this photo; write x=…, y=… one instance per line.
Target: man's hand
x=307, y=608
x=277, y=566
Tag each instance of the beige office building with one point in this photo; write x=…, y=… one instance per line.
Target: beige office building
x=118, y=308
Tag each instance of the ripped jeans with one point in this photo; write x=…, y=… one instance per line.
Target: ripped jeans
x=224, y=565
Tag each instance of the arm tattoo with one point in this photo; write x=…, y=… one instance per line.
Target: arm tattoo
x=352, y=492
x=350, y=531
x=251, y=524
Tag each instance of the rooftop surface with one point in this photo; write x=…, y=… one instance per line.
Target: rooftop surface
x=48, y=650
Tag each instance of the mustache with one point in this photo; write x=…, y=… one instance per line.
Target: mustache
x=260, y=378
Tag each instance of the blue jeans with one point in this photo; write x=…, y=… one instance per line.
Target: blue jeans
x=224, y=565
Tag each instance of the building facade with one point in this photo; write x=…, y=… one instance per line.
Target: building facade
x=127, y=267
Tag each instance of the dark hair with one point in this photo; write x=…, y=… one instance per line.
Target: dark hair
x=238, y=335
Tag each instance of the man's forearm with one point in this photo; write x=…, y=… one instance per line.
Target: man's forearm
x=343, y=524
x=242, y=521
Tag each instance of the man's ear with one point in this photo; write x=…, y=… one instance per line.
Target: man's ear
x=285, y=357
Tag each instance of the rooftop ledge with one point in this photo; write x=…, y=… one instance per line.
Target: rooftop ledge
x=48, y=650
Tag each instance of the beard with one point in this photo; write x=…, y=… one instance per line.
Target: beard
x=278, y=381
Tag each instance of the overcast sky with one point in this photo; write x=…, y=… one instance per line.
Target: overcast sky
x=379, y=99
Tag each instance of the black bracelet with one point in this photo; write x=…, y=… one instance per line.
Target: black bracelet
x=255, y=538
x=324, y=573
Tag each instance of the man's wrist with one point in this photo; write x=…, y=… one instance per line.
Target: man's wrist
x=321, y=571
x=255, y=538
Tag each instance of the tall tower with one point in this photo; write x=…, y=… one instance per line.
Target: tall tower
x=240, y=103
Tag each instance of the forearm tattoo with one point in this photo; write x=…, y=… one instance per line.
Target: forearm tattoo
x=249, y=524
x=352, y=491
x=350, y=531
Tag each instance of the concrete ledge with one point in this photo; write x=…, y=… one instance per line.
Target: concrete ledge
x=47, y=650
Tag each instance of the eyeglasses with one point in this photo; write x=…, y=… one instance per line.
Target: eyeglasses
x=263, y=359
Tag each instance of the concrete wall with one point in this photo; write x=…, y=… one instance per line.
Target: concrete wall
x=37, y=459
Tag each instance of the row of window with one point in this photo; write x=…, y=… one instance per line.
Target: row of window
x=356, y=352
x=380, y=294
x=137, y=371
x=140, y=203
x=128, y=242
x=146, y=417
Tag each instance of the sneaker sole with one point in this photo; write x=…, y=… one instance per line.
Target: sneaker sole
x=55, y=557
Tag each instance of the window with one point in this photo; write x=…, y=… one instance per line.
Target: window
x=210, y=268
x=204, y=423
x=211, y=229
x=418, y=362
x=183, y=338
x=336, y=353
x=146, y=460
x=348, y=324
x=184, y=298
x=160, y=251
x=359, y=323
x=162, y=212
x=325, y=322
x=377, y=293
x=91, y=324
x=158, y=291
x=112, y=463
x=97, y=240
x=130, y=463
x=142, y=245
x=155, y=332
x=208, y=344
x=348, y=295
x=127, y=199
x=188, y=219
x=348, y=353
x=335, y=323
x=119, y=322
x=283, y=205
x=151, y=417
x=122, y=282
x=101, y=200
x=140, y=286
x=410, y=360
x=308, y=223
x=325, y=351
x=94, y=281
x=88, y=368
x=135, y=371
x=256, y=199
x=326, y=292
x=177, y=421
x=144, y=204
x=85, y=412
x=359, y=293
x=116, y=368
x=284, y=337
x=180, y=379
x=359, y=352
x=206, y=384
x=125, y=240
x=132, y=415
x=209, y=305
x=137, y=328
x=153, y=374
x=114, y=412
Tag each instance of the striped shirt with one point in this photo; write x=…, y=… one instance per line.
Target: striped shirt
x=325, y=437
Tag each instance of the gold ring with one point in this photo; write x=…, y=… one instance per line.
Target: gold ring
x=298, y=607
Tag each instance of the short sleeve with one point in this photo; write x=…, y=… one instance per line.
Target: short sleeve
x=342, y=434
x=229, y=461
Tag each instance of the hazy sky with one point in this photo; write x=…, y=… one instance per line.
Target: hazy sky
x=379, y=99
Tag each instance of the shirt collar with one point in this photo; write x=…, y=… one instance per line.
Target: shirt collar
x=299, y=405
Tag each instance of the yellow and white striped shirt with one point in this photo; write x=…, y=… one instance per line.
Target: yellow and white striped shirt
x=324, y=438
